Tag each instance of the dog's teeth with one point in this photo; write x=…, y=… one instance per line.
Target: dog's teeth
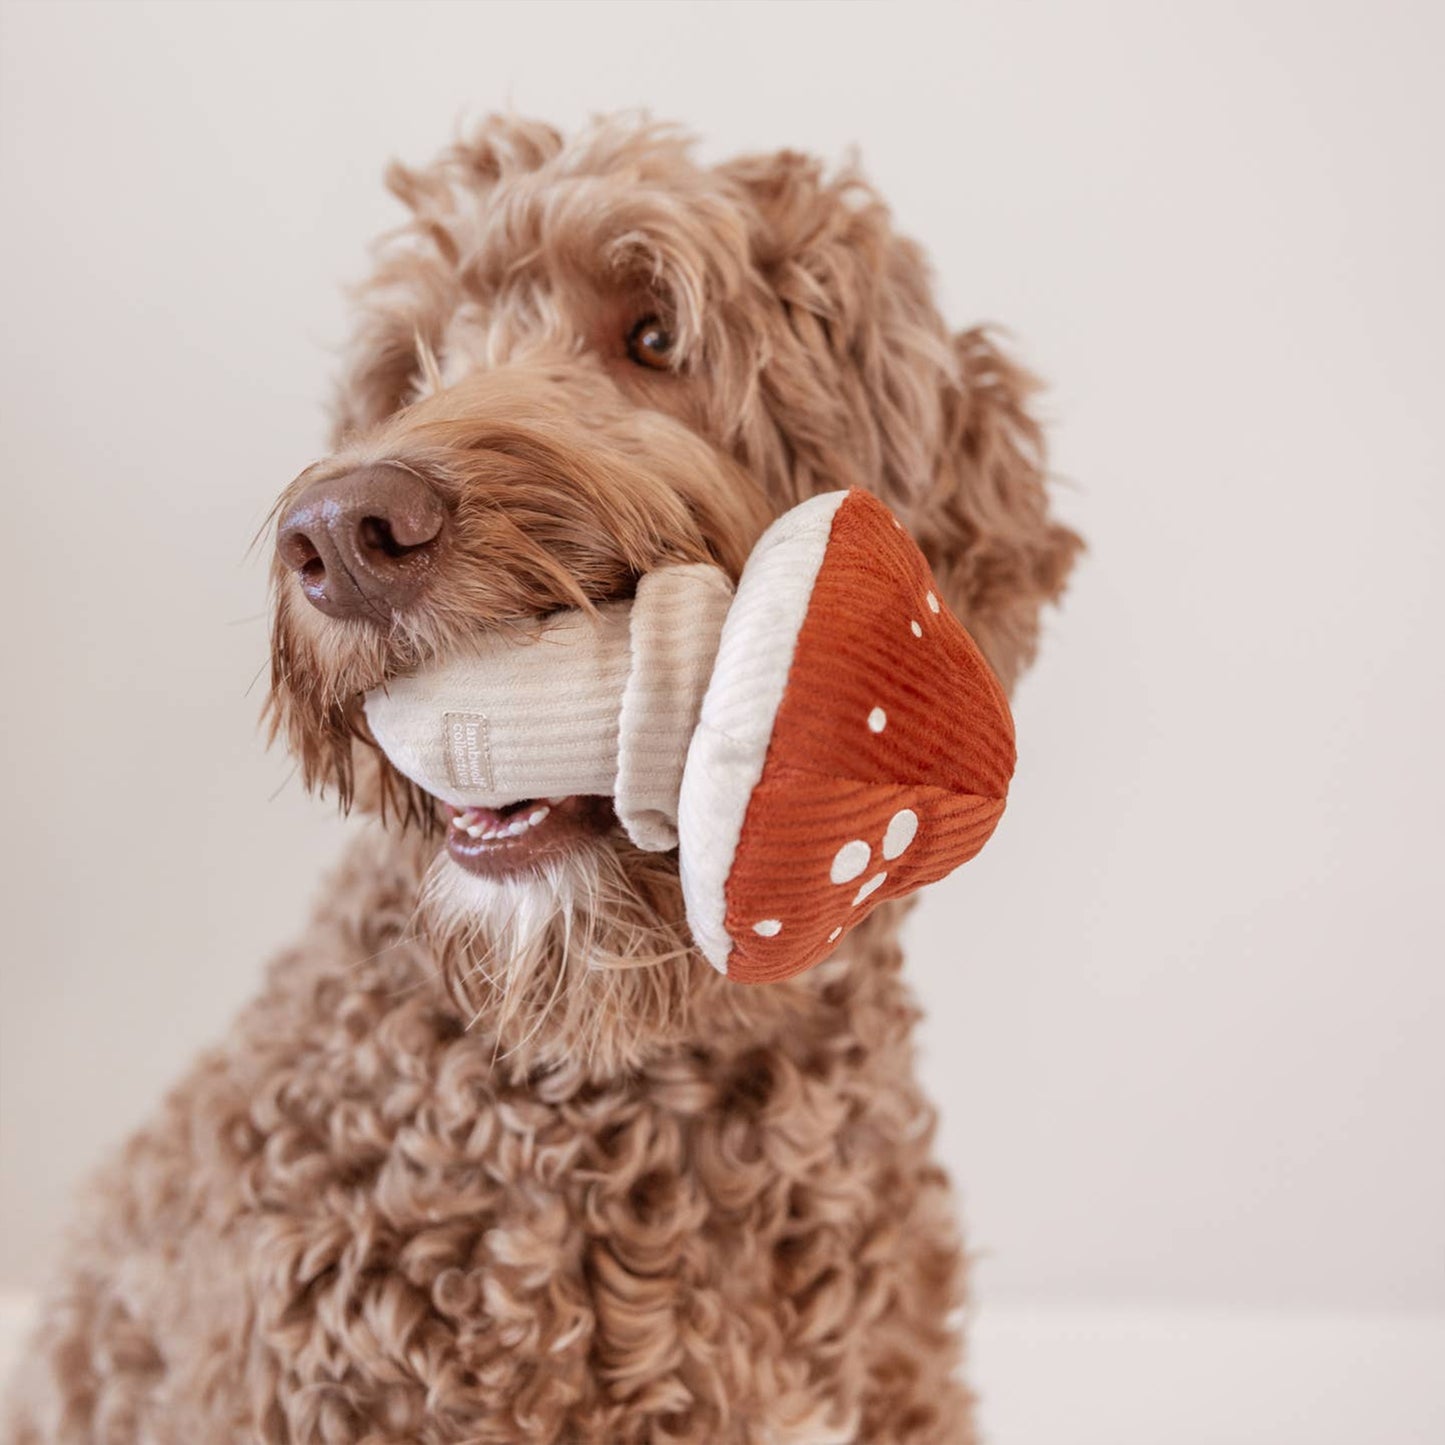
x=482, y=824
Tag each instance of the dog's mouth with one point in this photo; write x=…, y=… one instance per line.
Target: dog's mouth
x=517, y=838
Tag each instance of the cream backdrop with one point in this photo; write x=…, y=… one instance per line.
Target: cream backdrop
x=1185, y=1015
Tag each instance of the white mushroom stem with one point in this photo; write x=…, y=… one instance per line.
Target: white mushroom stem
x=597, y=705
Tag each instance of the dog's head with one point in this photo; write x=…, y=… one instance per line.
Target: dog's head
x=580, y=360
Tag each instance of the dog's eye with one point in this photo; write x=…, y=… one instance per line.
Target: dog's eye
x=649, y=343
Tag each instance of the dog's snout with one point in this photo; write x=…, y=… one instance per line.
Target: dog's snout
x=365, y=544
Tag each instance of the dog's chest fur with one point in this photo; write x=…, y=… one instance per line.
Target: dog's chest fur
x=378, y=1222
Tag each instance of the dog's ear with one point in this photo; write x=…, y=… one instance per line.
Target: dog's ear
x=403, y=307
x=984, y=521
x=860, y=384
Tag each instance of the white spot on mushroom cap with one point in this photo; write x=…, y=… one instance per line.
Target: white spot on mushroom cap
x=932, y=603
x=916, y=629
x=871, y=886
x=849, y=861
x=877, y=720
x=902, y=827
x=768, y=927
x=833, y=937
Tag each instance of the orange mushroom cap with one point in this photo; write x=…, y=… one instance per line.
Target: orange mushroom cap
x=853, y=744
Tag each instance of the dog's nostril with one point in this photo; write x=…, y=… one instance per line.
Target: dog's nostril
x=296, y=549
x=377, y=536
x=313, y=572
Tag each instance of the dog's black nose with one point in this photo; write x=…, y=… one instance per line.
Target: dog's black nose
x=366, y=544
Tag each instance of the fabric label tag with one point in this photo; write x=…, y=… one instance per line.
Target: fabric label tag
x=469, y=755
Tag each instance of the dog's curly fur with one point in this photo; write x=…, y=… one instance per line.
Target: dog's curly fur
x=503, y=1163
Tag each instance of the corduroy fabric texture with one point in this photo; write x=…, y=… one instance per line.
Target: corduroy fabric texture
x=602, y=706
x=515, y=716
x=677, y=620
x=889, y=760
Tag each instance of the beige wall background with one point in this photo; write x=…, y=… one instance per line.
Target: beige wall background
x=1185, y=1015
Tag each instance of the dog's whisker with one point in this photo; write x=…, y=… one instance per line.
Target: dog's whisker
x=543, y=1015
x=256, y=677
x=403, y=940
x=284, y=783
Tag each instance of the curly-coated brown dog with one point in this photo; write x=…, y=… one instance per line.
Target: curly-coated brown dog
x=495, y=1157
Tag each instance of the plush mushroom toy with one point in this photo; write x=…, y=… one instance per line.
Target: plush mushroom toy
x=826, y=739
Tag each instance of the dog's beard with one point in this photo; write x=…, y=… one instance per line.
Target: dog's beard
x=584, y=959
